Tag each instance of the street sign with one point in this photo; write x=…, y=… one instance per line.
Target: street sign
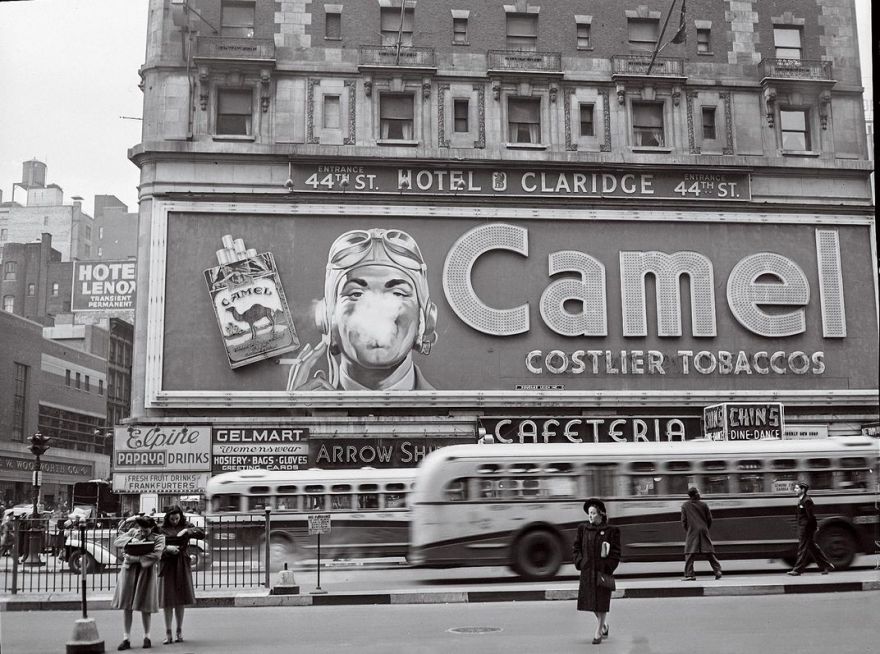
x=319, y=523
x=38, y=478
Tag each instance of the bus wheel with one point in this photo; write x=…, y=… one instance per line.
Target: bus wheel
x=838, y=545
x=537, y=555
x=281, y=550
x=78, y=559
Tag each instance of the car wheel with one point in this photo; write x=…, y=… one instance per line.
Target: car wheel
x=537, y=555
x=78, y=559
x=838, y=545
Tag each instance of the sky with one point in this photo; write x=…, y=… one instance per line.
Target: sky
x=68, y=75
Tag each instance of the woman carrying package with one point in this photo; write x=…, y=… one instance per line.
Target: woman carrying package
x=136, y=587
x=596, y=553
x=175, y=576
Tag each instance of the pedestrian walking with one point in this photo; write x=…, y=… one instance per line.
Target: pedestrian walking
x=807, y=525
x=175, y=575
x=6, y=535
x=136, y=587
x=596, y=554
x=696, y=518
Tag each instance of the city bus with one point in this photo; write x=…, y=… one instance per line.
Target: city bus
x=369, y=514
x=519, y=505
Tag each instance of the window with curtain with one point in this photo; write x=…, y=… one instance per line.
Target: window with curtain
x=795, y=127
x=647, y=120
x=333, y=25
x=522, y=31
x=583, y=36
x=524, y=120
x=710, y=133
x=396, y=116
x=459, y=30
x=787, y=41
x=460, y=112
x=234, y=114
x=331, y=112
x=704, y=40
x=390, y=18
x=237, y=19
x=643, y=33
x=587, y=127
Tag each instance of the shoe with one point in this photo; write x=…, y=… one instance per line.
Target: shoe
x=147, y=643
x=688, y=578
x=605, y=631
x=597, y=641
x=179, y=638
x=168, y=638
x=717, y=575
x=793, y=573
x=124, y=645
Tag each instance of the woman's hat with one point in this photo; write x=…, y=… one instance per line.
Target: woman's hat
x=594, y=501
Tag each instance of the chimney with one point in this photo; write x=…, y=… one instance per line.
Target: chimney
x=77, y=202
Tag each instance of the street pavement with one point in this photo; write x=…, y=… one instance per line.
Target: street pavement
x=840, y=623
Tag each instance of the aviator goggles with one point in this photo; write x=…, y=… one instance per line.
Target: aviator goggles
x=357, y=246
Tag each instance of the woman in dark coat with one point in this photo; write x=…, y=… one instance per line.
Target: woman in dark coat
x=596, y=549
x=136, y=587
x=175, y=580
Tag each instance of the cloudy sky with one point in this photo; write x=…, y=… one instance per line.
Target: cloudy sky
x=68, y=79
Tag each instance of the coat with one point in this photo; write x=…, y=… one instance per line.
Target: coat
x=136, y=586
x=586, y=554
x=175, y=575
x=696, y=518
x=806, y=517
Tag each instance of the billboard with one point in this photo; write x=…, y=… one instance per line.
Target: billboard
x=260, y=448
x=162, y=448
x=103, y=285
x=473, y=304
x=744, y=421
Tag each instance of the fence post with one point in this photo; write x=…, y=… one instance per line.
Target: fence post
x=268, y=526
x=16, y=525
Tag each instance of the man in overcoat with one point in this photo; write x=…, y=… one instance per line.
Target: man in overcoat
x=807, y=525
x=696, y=518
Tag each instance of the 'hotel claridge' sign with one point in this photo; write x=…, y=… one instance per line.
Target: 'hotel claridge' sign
x=559, y=184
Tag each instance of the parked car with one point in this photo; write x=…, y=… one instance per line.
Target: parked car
x=99, y=553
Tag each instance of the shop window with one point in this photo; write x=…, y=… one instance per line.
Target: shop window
x=459, y=31
x=237, y=19
x=331, y=112
x=397, y=22
x=643, y=33
x=460, y=112
x=704, y=43
x=333, y=26
x=583, y=36
x=396, y=117
x=787, y=41
x=522, y=31
x=10, y=269
x=647, y=121
x=795, y=127
x=234, y=112
x=710, y=133
x=587, y=126
x=524, y=120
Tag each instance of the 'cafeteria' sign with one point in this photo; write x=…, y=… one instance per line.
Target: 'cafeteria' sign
x=103, y=285
x=744, y=421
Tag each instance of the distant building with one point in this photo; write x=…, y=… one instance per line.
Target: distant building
x=34, y=282
x=115, y=230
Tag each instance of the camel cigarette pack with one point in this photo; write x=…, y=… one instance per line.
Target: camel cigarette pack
x=252, y=311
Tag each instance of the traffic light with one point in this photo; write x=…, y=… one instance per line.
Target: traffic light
x=39, y=444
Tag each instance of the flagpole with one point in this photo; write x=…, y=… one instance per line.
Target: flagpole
x=660, y=38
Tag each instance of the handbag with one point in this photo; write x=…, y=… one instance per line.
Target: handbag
x=605, y=580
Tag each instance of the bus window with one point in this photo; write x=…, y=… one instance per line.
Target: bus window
x=341, y=502
x=714, y=484
x=643, y=485
x=748, y=464
x=487, y=489
x=784, y=464
x=395, y=500
x=456, y=490
x=508, y=488
x=715, y=465
x=531, y=488
x=261, y=498
x=751, y=483
x=853, y=462
x=559, y=467
x=488, y=468
x=854, y=479
x=221, y=503
x=368, y=496
x=558, y=487
x=642, y=466
x=783, y=482
x=821, y=480
x=678, y=484
x=519, y=468
x=287, y=498
x=678, y=466
x=315, y=498
x=599, y=478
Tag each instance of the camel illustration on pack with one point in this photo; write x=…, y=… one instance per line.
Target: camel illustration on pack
x=253, y=314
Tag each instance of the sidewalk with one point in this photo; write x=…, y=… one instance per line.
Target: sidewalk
x=337, y=595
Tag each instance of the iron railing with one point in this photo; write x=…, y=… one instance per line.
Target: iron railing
x=524, y=61
x=638, y=65
x=796, y=69
x=227, y=47
x=388, y=56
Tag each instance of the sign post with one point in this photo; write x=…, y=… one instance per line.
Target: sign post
x=319, y=523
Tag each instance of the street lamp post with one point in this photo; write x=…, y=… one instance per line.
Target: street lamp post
x=39, y=445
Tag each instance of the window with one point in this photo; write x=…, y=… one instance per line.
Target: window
x=396, y=117
x=459, y=31
x=88, y=232
x=460, y=112
x=397, y=22
x=9, y=270
x=331, y=112
x=587, y=127
x=788, y=42
x=67, y=377
x=237, y=19
x=456, y=490
x=643, y=33
x=751, y=483
x=522, y=31
x=100, y=252
x=100, y=387
x=4, y=234
x=583, y=36
x=32, y=290
x=709, y=131
x=333, y=26
x=234, y=112
x=647, y=120
x=88, y=384
x=795, y=129
x=100, y=233
x=704, y=44
x=19, y=401
x=56, y=289
x=9, y=303
x=78, y=383
x=524, y=120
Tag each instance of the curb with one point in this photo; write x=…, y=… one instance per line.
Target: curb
x=256, y=598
